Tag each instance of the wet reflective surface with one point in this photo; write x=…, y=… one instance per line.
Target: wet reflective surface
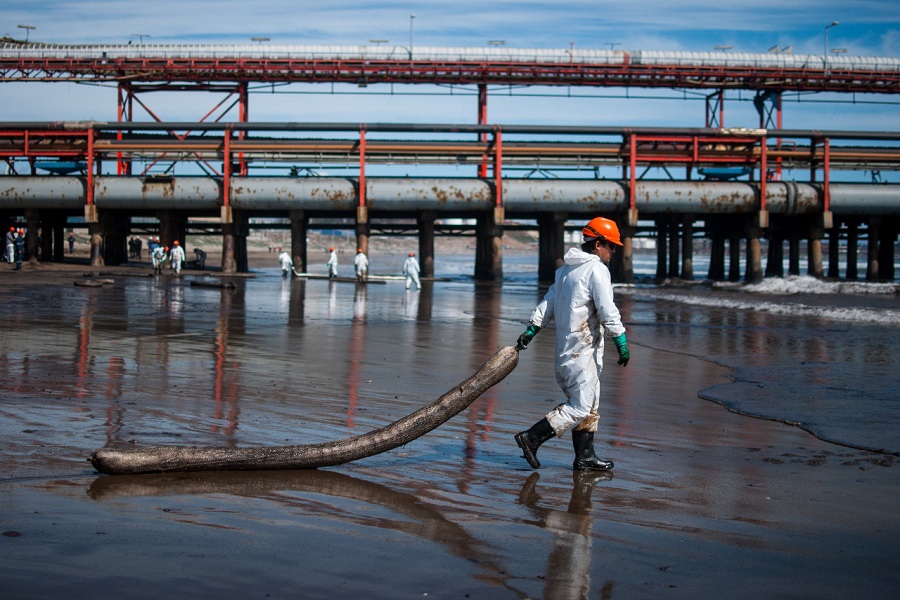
x=699, y=495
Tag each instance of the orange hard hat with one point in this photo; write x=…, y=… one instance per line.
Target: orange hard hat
x=359, y=249
x=412, y=253
x=12, y=228
x=331, y=249
x=603, y=228
x=22, y=231
x=176, y=242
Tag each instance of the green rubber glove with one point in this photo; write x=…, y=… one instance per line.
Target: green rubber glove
x=527, y=336
x=622, y=347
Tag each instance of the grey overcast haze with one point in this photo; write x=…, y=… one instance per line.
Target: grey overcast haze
x=866, y=28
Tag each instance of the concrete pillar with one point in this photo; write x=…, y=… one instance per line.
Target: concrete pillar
x=489, y=246
x=32, y=228
x=754, y=255
x=673, y=248
x=852, y=250
x=95, y=230
x=627, y=233
x=815, y=267
x=793, y=255
x=426, y=242
x=172, y=226
x=886, y=237
x=775, y=260
x=662, y=242
x=362, y=229
x=116, y=225
x=734, y=256
x=834, y=237
x=551, y=243
x=299, y=227
x=874, y=234
x=714, y=231
x=229, y=265
x=687, y=247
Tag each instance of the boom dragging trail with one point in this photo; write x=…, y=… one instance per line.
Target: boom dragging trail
x=160, y=459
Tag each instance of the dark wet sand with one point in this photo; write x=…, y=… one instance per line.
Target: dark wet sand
x=702, y=503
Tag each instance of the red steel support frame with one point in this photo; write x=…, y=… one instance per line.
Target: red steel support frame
x=498, y=168
x=482, y=120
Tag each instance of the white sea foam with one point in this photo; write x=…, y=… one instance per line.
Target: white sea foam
x=810, y=285
x=840, y=310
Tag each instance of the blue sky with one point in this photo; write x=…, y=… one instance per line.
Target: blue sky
x=866, y=28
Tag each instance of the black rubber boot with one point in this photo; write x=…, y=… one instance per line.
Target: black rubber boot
x=530, y=440
x=585, y=459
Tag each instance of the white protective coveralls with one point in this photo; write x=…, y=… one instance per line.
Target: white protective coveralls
x=176, y=258
x=411, y=270
x=362, y=265
x=581, y=302
x=286, y=263
x=332, y=264
x=157, y=257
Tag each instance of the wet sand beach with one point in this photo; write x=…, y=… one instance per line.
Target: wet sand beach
x=703, y=502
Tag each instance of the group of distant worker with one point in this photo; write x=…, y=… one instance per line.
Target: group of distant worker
x=159, y=254
x=15, y=247
x=361, y=265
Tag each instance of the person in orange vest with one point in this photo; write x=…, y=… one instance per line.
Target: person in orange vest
x=581, y=302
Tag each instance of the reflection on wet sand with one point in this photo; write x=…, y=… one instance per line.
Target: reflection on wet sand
x=414, y=517
x=570, y=560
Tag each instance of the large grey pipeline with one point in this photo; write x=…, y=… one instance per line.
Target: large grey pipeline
x=166, y=459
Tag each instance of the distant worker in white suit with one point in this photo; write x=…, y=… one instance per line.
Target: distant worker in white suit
x=286, y=263
x=362, y=266
x=332, y=263
x=411, y=270
x=176, y=257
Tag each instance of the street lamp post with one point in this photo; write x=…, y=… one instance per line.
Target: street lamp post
x=27, y=29
x=412, y=17
x=825, y=54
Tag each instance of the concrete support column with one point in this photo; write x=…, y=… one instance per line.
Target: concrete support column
x=32, y=227
x=95, y=230
x=673, y=248
x=299, y=227
x=662, y=244
x=59, y=238
x=794, y=255
x=754, y=255
x=815, y=266
x=172, y=226
x=887, y=235
x=687, y=248
x=716, y=250
x=734, y=257
x=874, y=234
x=362, y=229
x=489, y=246
x=241, y=231
x=551, y=243
x=426, y=242
x=116, y=226
x=834, y=237
x=627, y=234
x=775, y=260
x=852, y=250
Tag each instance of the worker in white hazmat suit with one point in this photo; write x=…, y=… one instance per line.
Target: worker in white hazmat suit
x=332, y=263
x=362, y=266
x=176, y=257
x=580, y=301
x=286, y=263
x=411, y=270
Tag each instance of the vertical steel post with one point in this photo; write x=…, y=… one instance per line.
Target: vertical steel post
x=482, y=120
